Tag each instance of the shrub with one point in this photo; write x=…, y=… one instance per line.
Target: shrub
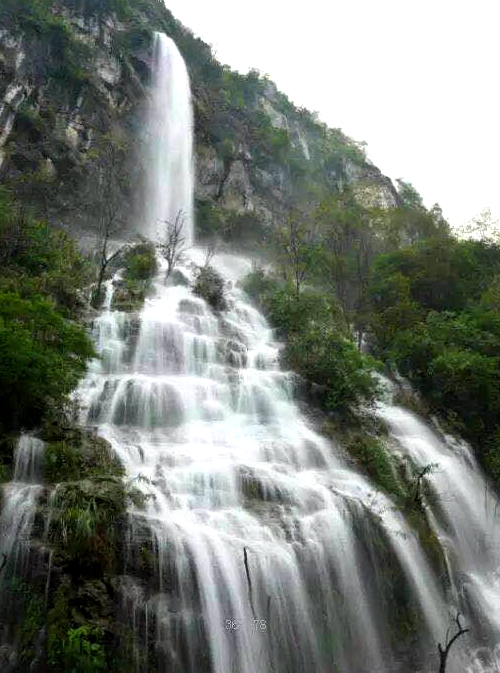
x=374, y=458
x=42, y=356
x=317, y=346
x=329, y=359
x=140, y=262
x=209, y=285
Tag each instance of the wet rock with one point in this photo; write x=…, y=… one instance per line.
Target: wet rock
x=209, y=285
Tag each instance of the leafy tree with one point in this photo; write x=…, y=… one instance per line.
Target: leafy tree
x=331, y=360
x=42, y=357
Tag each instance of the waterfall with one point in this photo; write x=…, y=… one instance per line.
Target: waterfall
x=170, y=143
x=260, y=548
x=466, y=514
x=19, y=499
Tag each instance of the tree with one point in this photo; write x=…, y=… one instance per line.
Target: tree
x=483, y=227
x=174, y=246
x=349, y=247
x=444, y=651
x=42, y=356
x=296, y=248
x=105, y=201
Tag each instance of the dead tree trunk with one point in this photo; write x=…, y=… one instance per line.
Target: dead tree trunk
x=445, y=650
x=249, y=581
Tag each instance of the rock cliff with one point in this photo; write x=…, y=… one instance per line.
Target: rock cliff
x=71, y=73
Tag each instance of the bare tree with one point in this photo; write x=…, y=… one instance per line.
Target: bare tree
x=174, y=245
x=3, y=563
x=209, y=254
x=106, y=202
x=444, y=650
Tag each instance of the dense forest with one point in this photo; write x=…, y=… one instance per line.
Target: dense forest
x=359, y=280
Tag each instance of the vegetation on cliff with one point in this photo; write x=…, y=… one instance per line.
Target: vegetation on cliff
x=435, y=316
x=43, y=352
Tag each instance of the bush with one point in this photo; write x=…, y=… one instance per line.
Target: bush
x=317, y=346
x=374, y=458
x=42, y=356
x=330, y=360
x=72, y=460
x=140, y=262
x=86, y=522
x=209, y=285
x=435, y=318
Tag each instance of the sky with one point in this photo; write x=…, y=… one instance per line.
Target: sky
x=418, y=80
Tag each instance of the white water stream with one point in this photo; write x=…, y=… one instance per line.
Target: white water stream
x=169, y=190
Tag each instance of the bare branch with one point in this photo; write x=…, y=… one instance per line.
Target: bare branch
x=174, y=245
x=445, y=650
x=249, y=581
x=4, y=562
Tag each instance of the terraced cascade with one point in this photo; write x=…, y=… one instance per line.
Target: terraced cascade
x=258, y=546
x=260, y=549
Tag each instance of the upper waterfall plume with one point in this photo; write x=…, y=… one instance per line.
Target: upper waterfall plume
x=169, y=189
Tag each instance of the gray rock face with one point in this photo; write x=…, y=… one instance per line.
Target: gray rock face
x=49, y=126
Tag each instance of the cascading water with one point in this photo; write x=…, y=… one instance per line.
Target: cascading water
x=19, y=502
x=260, y=549
x=466, y=520
x=169, y=189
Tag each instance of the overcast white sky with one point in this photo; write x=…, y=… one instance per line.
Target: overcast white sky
x=418, y=80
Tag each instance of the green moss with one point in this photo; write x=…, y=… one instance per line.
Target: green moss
x=69, y=461
x=374, y=458
x=129, y=296
x=73, y=646
x=86, y=523
x=28, y=608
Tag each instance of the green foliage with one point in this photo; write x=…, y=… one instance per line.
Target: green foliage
x=35, y=258
x=329, y=359
x=69, y=461
x=28, y=608
x=81, y=650
x=317, y=344
x=372, y=455
x=42, y=357
x=42, y=353
x=211, y=221
x=140, y=262
x=86, y=520
x=435, y=316
x=73, y=646
x=140, y=267
x=65, y=57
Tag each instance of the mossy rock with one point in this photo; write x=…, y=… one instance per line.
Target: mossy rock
x=130, y=294
x=90, y=457
x=371, y=454
x=209, y=285
x=86, y=524
x=178, y=278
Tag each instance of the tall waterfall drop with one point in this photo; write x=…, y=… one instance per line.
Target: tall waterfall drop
x=170, y=142
x=260, y=548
